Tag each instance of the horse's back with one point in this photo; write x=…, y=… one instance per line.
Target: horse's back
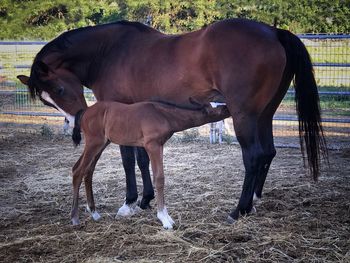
x=214, y=62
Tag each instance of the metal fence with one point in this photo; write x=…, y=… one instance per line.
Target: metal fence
x=330, y=55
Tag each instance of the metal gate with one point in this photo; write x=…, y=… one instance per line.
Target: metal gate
x=330, y=55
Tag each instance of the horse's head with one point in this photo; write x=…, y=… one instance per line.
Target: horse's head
x=58, y=88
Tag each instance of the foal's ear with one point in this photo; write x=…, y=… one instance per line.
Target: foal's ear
x=23, y=79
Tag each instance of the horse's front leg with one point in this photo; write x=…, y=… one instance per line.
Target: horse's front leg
x=128, y=158
x=143, y=164
x=155, y=152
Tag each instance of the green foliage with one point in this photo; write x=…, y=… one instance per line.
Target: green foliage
x=38, y=19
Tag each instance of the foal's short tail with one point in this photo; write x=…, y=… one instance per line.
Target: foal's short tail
x=307, y=100
x=76, y=136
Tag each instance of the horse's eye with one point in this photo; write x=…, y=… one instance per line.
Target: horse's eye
x=59, y=91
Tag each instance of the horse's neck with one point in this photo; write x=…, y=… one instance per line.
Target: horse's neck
x=83, y=56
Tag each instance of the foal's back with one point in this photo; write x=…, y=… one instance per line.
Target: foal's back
x=140, y=123
x=126, y=124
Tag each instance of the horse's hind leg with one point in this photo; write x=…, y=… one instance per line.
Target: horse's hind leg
x=266, y=139
x=143, y=163
x=246, y=133
x=255, y=137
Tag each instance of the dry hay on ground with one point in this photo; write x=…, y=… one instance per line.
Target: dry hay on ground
x=297, y=220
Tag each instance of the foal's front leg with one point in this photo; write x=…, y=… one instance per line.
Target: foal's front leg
x=85, y=168
x=88, y=187
x=77, y=178
x=155, y=153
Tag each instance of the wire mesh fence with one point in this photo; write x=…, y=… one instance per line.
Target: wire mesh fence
x=330, y=55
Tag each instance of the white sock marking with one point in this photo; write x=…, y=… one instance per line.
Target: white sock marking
x=166, y=220
x=95, y=215
x=46, y=96
x=75, y=222
x=128, y=210
x=256, y=198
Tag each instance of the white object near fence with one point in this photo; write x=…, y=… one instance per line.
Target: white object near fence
x=216, y=128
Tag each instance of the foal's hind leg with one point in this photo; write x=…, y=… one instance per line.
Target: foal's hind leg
x=155, y=152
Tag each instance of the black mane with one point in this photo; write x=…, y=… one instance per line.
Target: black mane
x=63, y=42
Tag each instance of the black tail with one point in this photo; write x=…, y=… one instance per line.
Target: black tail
x=76, y=136
x=307, y=100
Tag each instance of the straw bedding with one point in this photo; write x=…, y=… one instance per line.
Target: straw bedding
x=296, y=221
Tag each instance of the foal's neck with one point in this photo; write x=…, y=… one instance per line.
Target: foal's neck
x=181, y=119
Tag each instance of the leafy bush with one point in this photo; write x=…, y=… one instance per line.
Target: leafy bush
x=36, y=19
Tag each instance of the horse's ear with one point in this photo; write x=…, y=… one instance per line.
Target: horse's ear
x=23, y=79
x=41, y=68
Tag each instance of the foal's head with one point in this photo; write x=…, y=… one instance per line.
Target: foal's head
x=56, y=87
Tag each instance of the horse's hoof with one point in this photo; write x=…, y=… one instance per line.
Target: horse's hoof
x=144, y=204
x=75, y=222
x=256, y=199
x=125, y=211
x=253, y=211
x=230, y=220
x=128, y=210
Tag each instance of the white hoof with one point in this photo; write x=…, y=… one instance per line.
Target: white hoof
x=75, y=222
x=166, y=220
x=256, y=199
x=128, y=210
x=95, y=215
x=230, y=220
x=253, y=211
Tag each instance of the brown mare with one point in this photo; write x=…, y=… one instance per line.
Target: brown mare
x=248, y=65
x=148, y=124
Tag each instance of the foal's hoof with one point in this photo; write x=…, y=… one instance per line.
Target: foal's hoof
x=165, y=218
x=95, y=215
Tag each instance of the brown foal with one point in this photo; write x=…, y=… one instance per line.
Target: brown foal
x=146, y=124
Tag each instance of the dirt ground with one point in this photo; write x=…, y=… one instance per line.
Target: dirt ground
x=296, y=221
